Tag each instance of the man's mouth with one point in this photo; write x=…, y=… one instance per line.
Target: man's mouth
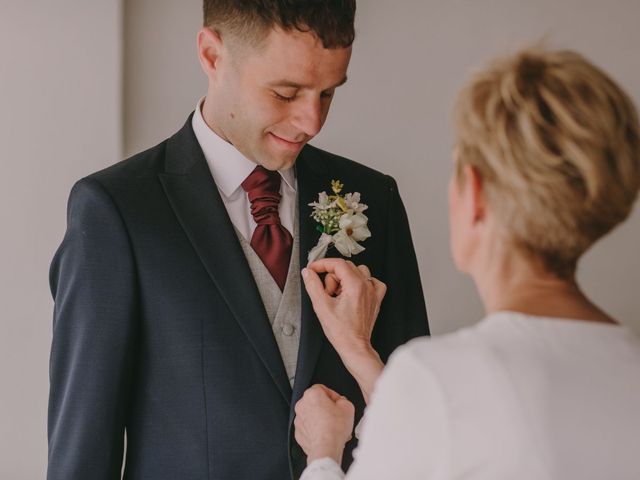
x=288, y=143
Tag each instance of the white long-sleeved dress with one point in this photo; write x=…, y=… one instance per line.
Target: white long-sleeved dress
x=515, y=396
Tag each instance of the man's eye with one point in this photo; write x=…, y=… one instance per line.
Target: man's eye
x=284, y=98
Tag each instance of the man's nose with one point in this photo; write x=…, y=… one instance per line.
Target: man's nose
x=308, y=117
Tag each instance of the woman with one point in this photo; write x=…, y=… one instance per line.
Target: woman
x=547, y=386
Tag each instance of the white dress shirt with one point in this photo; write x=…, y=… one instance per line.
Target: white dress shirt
x=230, y=168
x=515, y=397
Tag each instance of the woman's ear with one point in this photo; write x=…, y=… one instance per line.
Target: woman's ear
x=210, y=49
x=474, y=193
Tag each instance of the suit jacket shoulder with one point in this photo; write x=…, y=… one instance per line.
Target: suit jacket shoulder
x=178, y=154
x=138, y=167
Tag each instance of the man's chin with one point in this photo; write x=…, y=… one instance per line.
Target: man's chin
x=280, y=162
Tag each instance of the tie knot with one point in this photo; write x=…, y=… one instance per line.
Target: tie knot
x=263, y=189
x=262, y=180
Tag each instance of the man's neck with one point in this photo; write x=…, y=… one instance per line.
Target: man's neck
x=206, y=109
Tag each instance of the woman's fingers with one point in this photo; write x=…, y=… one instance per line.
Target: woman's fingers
x=331, y=285
x=316, y=393
x=319, y=394
x=340, y=274
x=341, y=269
x=380, y=288
x=347, y=304
x=332, y=394
x=314, y=287
x=364, y=270
x=323, y=422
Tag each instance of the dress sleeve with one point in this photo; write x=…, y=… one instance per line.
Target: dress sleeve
x=323, y=469
x=405, y=430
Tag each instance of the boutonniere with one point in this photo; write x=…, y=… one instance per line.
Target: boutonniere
x=340, y=221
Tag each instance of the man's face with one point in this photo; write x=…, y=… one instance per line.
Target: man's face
x=269, y=101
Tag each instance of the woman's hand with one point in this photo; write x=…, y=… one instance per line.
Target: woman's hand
x=323, y=423
x=347, y=306
x=348, y=317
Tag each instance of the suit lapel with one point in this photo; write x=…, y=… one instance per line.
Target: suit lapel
x=201, y=212
x=313, y=177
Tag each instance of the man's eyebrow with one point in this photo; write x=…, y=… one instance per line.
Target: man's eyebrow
x=290, y=84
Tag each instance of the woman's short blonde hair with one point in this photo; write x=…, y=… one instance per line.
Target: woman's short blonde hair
x=556, y=143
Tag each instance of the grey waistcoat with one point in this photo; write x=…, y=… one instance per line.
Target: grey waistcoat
x=283, y=307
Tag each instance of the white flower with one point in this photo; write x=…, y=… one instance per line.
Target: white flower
x=355, y=225
x=320, y=250
x=341, y=222
x=323, y=202
x=353, y=202
x=353, y=229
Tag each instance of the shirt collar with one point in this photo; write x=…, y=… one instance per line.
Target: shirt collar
x=228, y=166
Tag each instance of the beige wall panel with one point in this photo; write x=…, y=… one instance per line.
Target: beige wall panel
x=60, y=116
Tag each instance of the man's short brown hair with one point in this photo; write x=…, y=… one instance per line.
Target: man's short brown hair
x=557, y=143
x=332, y=21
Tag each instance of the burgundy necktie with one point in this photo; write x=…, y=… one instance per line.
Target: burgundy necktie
x=271, y=241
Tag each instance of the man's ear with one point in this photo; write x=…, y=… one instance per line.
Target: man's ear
x=209, y=50
x=475, y=193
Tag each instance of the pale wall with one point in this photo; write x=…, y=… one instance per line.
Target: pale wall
x=60, y=115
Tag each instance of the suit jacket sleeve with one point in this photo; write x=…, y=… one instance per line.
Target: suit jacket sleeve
x=93, y=284
x=403, y=309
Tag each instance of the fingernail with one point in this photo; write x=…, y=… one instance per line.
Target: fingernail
x=305, y=273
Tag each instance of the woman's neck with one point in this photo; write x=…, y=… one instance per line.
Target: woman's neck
x=516, y=283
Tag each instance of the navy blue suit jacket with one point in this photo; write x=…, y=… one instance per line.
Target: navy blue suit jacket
x=159, y=329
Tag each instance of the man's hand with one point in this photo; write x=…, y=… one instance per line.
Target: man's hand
x=323, y=423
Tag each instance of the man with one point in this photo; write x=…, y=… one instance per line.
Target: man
x=179, y=315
